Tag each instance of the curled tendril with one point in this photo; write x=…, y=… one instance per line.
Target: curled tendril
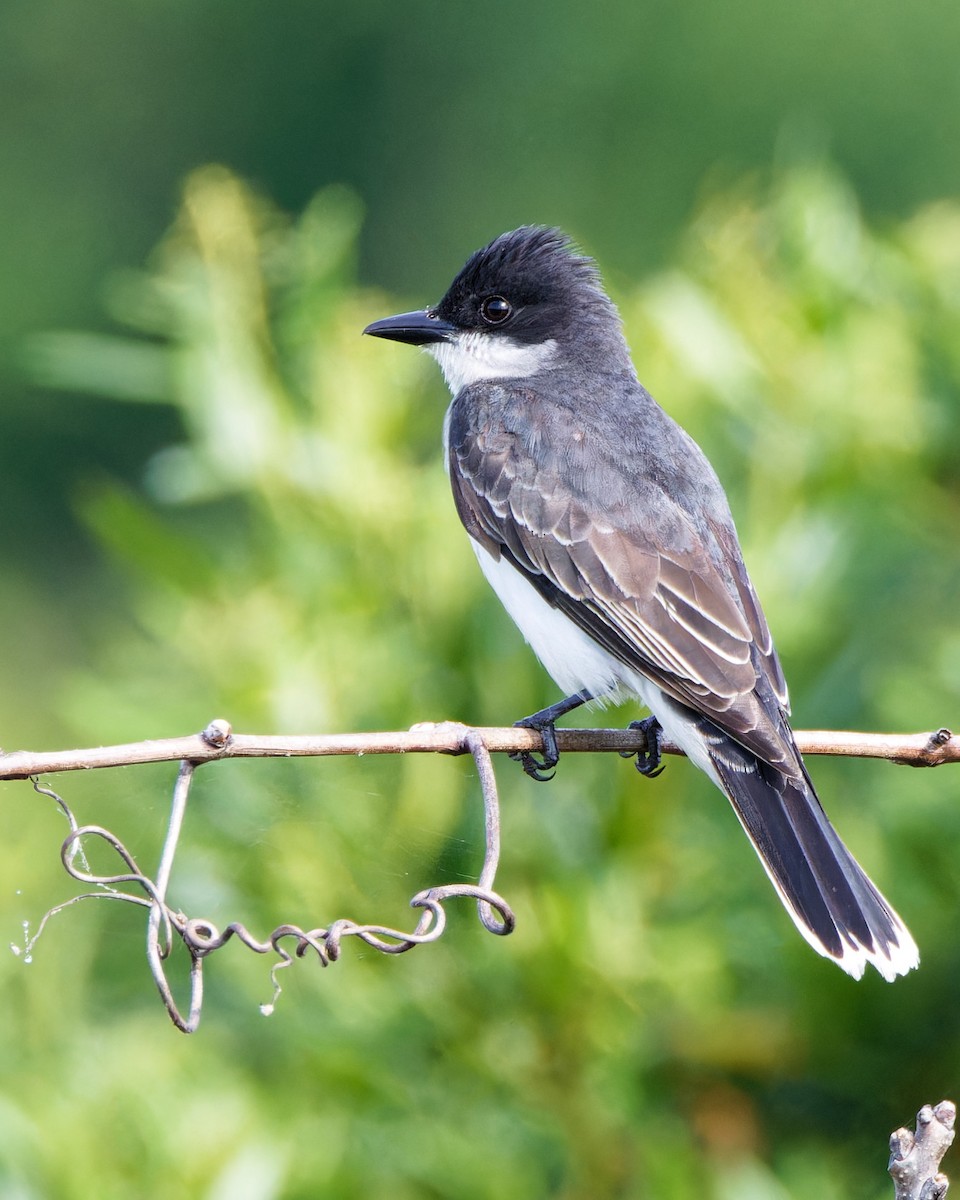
x=202, y=938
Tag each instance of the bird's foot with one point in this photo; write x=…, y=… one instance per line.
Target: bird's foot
x=543, y=722
x=648, y=760
x=541, y=769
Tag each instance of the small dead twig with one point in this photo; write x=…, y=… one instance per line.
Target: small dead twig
x=219, y=741
x=915, y=1157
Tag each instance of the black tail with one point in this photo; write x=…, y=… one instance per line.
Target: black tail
x=823, y=888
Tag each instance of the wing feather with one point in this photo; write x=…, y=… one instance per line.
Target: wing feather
x=659, y=596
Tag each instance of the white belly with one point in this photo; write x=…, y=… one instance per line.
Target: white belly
x=575, y=662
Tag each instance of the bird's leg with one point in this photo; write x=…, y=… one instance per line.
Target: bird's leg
x=648, y=760
x=543, y=722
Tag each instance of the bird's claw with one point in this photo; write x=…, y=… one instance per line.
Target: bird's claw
x=537, y=768
x=648, y=760
x=543, y=722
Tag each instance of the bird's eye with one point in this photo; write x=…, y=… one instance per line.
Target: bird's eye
x=495, y=310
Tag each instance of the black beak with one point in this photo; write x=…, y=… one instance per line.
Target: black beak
x=414, y=328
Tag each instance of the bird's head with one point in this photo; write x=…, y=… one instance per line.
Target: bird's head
x=526, y=303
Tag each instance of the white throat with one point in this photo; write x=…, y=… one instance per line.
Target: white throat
x=472, y=357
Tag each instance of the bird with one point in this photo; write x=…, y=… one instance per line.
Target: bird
x=608, y=538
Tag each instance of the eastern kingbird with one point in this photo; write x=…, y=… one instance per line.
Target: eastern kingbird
x=608, y=538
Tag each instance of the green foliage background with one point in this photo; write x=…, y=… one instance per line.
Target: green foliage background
x=219, y=500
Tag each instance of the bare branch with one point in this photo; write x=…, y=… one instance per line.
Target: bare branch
x=218, y=741
x=915, y=1157
x=201, y=937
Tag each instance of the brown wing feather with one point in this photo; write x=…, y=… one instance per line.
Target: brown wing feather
x=659, y=604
